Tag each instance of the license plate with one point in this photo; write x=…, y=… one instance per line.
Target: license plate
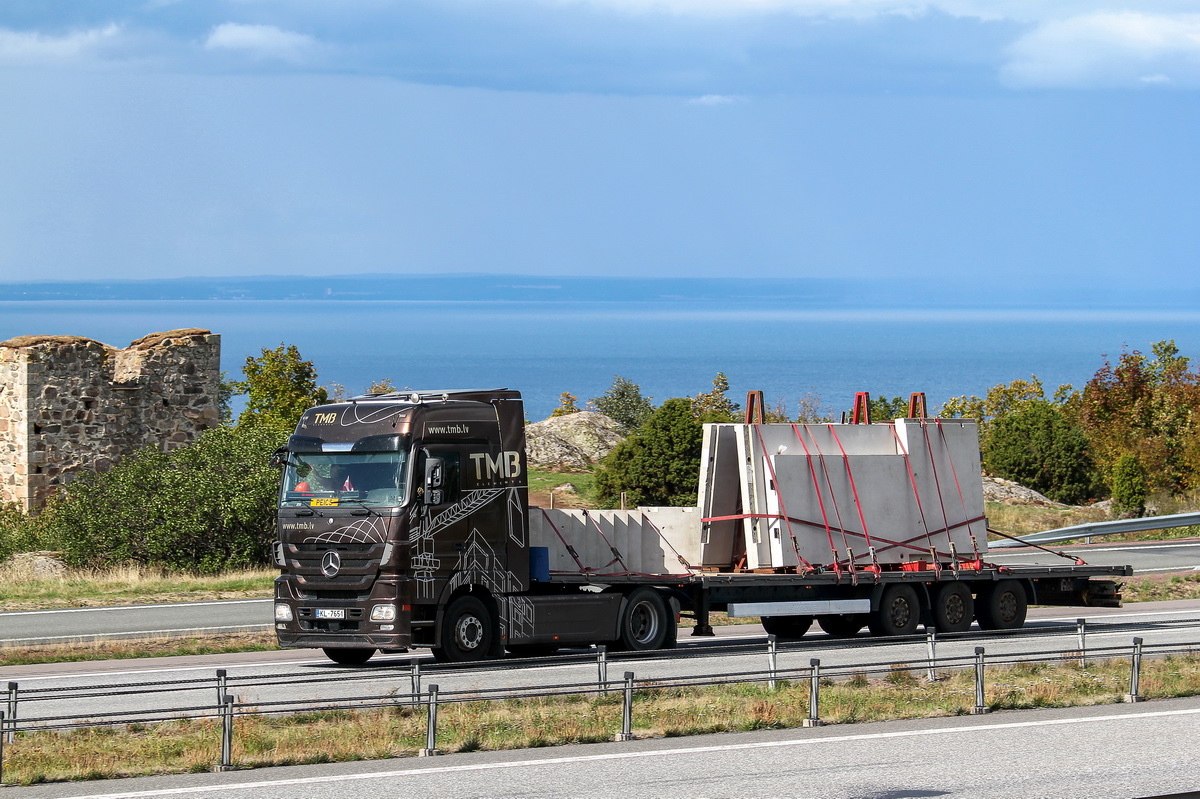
x=331, y=613
x=323, y=502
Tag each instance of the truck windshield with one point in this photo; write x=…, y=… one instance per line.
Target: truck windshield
x=334, y=478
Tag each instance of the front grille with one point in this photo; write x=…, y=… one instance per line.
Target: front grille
x=358, y=569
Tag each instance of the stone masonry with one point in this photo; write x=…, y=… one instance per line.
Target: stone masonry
x=69, y=404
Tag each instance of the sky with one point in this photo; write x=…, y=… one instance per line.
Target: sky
x=1047, y=140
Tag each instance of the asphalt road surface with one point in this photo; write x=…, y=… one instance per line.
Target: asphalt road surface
x=1142, y=750
x=82, y=624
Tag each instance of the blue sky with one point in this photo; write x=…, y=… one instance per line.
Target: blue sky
x=1053, y=141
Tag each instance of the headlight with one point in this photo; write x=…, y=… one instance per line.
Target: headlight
x=383, y=613
x=283, y=612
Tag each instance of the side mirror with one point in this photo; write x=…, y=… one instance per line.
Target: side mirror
x=278, y=458
x=435, y=476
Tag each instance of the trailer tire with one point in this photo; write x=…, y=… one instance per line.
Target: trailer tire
x=1002, y=606
x=348, y=657
x=787, y=626
x=899, y=612
x=644, y=622
x=843, y=625
x=468, y=632
x=953, y=608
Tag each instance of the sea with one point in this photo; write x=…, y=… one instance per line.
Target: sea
x=669, y=348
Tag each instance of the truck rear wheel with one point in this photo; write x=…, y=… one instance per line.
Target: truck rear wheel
x=843, y=625
x=468, y=631
x=953, y=608
x=1002, y=606
x=348, y=657
x=644, y=622
x=787, y=626
x=899, y=612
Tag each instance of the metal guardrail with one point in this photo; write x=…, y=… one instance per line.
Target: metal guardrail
x=1114, y=527
x=15, y=718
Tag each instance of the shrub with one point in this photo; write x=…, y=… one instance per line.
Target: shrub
x=657, y=465
x=1038, y=447
x=624, y=403
x=1129, y=490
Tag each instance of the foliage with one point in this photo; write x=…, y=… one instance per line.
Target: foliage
x=715, y=406
x=1039, y=447
x=280, y=386
x=19, y=532
x=657, y=465
x=813, y=410
x=1000, y=400
x=202, y=508
x=884, y=409
x=1129, y=485
x=1149, y=408
x=566, y=405
x=623, y=403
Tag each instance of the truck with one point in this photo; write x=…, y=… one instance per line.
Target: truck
x=404, y=521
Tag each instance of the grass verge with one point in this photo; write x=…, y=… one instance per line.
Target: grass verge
x=335, y=736
x=129, y=585
x=156, y=647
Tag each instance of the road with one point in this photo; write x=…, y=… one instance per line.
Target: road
x=82, y=624
x=1141, y=750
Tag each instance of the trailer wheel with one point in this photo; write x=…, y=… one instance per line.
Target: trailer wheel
x=899, y=612
x=1002, y=606
x=468, y=631
x=843, y=625
x=644, y=621
x=953, y=608
x=787, y=626
x=348, y=657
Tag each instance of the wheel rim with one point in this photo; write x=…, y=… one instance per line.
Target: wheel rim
x=955, y=609
x=468, y=632
x=1007, y=606
x=643, y=622
x=901, y=612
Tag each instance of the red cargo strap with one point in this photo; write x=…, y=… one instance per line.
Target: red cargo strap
x=837, y=566
x=574, y=556
x=857, y=504
x=800, y=561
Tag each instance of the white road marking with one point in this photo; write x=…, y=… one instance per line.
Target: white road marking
x=223, y=602
x=655, y=753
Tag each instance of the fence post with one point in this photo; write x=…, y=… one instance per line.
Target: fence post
x=414, y=674
x=1135, y=672
x=1, y=749
x=222, y=685
x=626, y=733
x=12, y=712
x=602, y=668
x=772, y=660
x=814, y=693
x=431, y=724
x=1081, y=626
x=226, y=763
x=980, y=708
x=931, y=651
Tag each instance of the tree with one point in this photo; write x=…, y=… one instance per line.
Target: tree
x=1129, y=485
x=1001, y=400
x=566, y=405
x=1148, y=408
x=624, y=403
x=1038, y=446
x=715, y=406
x=657, y=465
x=280, y=386
x=884, y=409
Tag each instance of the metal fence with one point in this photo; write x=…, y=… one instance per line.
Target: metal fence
x=30, y=709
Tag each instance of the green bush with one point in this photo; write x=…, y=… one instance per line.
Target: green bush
x=657, y=465
x=203, y=508
x=1129, y=489
x=624, y=403
x=1038, y=447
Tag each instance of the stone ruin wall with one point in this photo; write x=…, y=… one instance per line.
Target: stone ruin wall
x=69, y=404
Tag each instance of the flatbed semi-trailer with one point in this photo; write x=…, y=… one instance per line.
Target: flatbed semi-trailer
x=404, y=522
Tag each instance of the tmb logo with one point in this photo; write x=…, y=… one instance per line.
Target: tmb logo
x=325, y=418
x=507, y=464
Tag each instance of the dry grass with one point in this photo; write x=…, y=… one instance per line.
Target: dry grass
x=658, y=712
x=152, y=647
x=129, y=585
x=1161, y=587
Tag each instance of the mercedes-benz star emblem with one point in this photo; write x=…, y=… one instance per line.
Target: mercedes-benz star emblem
x=331, y=563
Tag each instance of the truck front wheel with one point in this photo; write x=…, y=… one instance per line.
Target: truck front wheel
x=645, y=623
x=348, y=657
x=468, y=631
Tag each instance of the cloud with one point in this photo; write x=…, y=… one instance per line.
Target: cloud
x=261, y=41
x=1108, y=50
x=17, y=47
x=714, y=99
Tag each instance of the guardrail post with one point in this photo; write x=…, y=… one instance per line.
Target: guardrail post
x=1135, y=672
x=772, y=660
x=931, y=651
x=222, y=685
x=814, y=693
x=1, y=749
x=431, y=724
x=980, y=708
x=602, y=669
x=1081, y=626
x=414, y=674
x=626, y=733
x=226, y=763
x=12, y=712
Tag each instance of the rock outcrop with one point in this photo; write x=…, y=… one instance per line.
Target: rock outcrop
x=997, y=489
x=576, y=440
